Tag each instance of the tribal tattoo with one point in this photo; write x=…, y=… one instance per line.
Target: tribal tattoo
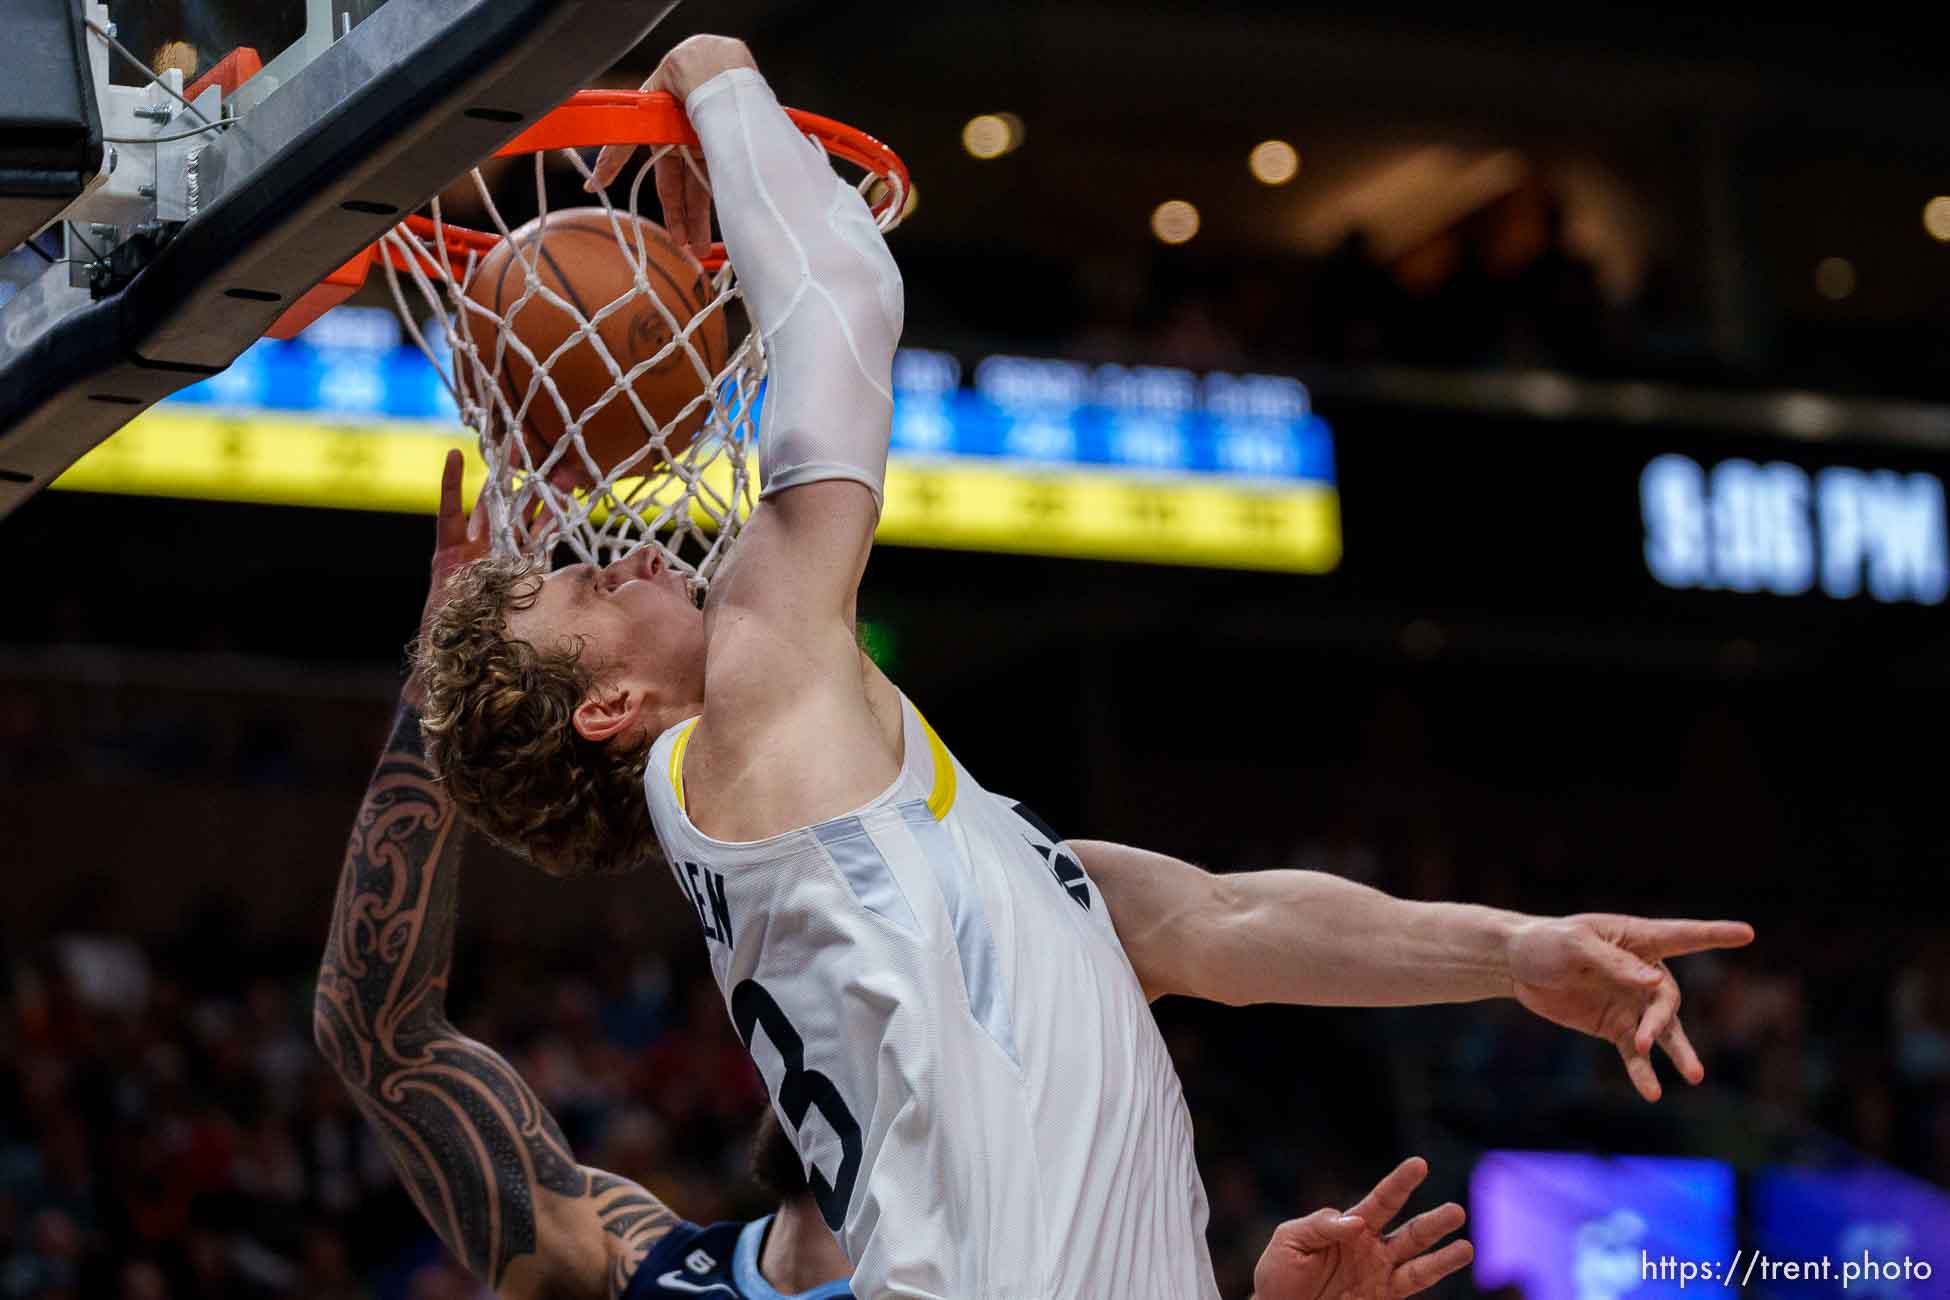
x=472, y=1143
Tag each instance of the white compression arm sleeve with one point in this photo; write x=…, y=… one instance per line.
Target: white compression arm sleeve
x=821, y=287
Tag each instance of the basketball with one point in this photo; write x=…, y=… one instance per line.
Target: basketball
x=576, y=254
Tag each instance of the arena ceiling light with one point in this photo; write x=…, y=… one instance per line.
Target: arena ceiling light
x=1273, y=162
x=991, y=135
x=1936, y=218
x=1174, y=221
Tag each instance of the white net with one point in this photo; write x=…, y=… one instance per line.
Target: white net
x=691, y=482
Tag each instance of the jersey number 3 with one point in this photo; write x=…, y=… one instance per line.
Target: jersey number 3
x=803, y=1090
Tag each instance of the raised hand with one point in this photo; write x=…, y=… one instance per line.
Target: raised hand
x=1606, y=976
x=459, y=536
x=1333, y=1256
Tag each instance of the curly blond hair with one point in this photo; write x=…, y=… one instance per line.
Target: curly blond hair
x=498, y=720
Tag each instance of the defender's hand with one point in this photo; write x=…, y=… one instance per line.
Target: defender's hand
x=1606, y=976
x=458, y=538
x=686, y=201
x=1334, y=1256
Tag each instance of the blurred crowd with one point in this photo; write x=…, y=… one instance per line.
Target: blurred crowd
x=1505, y=287
x=1508, y=287
x=167, y=1128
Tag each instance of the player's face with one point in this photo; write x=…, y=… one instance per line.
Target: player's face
x=635, y=620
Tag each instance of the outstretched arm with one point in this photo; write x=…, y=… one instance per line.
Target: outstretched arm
x=1295, y=936
x=1307, y=937
x=481, y=1157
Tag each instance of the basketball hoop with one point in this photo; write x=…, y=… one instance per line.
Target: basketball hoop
x=690, y=486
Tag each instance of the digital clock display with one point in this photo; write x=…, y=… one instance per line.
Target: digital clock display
x=1776, y=528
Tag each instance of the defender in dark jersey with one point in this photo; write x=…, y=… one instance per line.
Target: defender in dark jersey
x=784, y=1256
x=489, y=1168
x=787, y=1255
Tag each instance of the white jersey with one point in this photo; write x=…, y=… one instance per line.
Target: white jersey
x=952, y=1034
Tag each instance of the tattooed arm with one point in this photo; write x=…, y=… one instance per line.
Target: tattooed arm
x=482, y=1159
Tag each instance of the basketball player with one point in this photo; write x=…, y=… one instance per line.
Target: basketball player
x=949, y=1024
x=489, y=1168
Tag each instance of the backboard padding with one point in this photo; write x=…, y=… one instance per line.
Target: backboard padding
x=50, y=130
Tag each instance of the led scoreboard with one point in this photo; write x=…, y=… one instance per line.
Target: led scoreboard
x=1145, y=463
x=1035, y=455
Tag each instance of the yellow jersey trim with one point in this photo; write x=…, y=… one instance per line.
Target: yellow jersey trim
x=677, y=761
x=942, y=797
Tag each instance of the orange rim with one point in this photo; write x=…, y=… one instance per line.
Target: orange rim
x=592, y=119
